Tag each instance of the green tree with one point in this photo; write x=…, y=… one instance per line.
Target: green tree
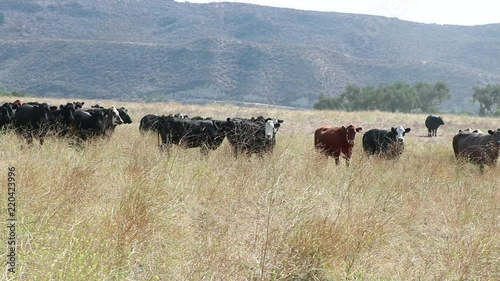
x=325, y=102
x=399, y=96
x=429, y=97
x=487, y=96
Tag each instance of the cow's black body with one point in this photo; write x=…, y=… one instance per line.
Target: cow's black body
x=89, y=124
x=249, y=136
x=432, y=123
x=384, y=142
x=187, y=133
x=478, y=148
x=32, y=121
x=62, y=119
x=149, y=123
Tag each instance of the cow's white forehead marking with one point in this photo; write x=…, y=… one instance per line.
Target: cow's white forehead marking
x=116, y=115
x=400, y=131
x=269, y=128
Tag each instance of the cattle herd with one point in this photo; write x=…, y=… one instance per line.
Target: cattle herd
x=471, y=145
x=246, y=136
x=35, y=120
x=256, y=135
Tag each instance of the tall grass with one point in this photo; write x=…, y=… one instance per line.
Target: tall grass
x=120, y=209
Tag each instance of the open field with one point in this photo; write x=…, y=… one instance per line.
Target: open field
x=120, y=209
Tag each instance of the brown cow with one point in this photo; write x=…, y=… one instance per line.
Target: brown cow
x=478, y=148
x=334, y=140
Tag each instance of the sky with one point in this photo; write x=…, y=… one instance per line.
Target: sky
x=457, y=12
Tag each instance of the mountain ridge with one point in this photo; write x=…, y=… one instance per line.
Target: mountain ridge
x=166, y=50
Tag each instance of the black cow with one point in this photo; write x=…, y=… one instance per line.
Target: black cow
x=6, y=115
x=16, y=104
x=78, y=104
x=187, y=133
x=112, y=118
x=200, y=118
x=387, y=143
x=149, y=123
x=181, y=115
x=32, y=121
x=61, y=120
x=124, y=115
x=432, y=123
x=478, y=148
x=89, y=124
x=126, y=119
x=253, y=136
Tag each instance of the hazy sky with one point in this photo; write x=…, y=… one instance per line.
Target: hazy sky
x=461, y=12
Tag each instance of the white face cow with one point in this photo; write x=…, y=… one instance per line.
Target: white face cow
x=271, y=127
x=400, y=132
x=115, y=115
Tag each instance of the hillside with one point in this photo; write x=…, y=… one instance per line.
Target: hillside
x=165, y=50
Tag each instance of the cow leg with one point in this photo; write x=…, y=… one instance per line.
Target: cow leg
x=481, y=168
x=29, y=137
x=347, y=155
x=337, y=160
x=204, y=150
x=41, y=138
x=336, y=156
x=235, y=151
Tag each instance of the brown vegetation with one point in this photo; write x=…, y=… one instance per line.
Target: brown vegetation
x=120, y=209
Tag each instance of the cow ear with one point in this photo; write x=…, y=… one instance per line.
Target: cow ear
x=280, y=121
x=343, y=128
x=491, y=132
x=407, y=130
x=359, y=129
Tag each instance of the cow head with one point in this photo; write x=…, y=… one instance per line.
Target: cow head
x=181, y=115
x=78, y=104
x=115, y=116
x=271, y=127
x=68, y=112
x=440, y=120
x=43, y=111
x=123, y=112
x=400, y=132
x=496, y=137
x=16, y=104
x=351, y=133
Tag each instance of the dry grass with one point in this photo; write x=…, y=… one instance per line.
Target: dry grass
x=119, y=209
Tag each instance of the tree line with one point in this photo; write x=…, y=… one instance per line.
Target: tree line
x=403, y=97
x=396, y=97
x=488, y=97
x=6, y=93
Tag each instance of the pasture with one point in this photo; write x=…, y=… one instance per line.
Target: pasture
x=119, y=209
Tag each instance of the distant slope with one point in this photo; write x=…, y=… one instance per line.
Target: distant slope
x=164, y=50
